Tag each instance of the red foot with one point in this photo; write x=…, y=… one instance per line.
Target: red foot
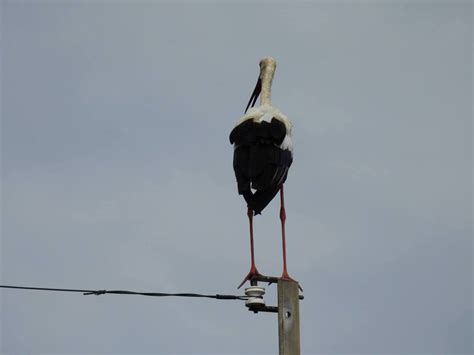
x=286, y=277
x=253, y=272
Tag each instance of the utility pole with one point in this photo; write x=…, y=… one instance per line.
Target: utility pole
x=288, y=317
x=288, y=310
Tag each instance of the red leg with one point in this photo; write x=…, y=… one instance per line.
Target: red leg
x=253, y=269
x=285, y=275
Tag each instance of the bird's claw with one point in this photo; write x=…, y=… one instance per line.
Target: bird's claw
x=287, y=277
x=253, y=272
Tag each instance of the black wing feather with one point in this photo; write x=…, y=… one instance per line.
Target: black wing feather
x=259, y=162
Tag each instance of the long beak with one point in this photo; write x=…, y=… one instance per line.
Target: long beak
x=255, y=94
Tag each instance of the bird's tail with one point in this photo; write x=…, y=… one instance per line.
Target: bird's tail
x=260, y=199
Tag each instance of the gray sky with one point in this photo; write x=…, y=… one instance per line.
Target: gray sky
x=117, y=173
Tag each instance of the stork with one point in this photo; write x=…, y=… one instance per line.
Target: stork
x=263, y=153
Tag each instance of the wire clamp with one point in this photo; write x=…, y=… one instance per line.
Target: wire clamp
x=97, y=293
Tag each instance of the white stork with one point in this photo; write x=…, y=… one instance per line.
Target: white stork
x=263, y=153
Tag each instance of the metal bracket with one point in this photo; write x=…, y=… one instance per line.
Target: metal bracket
x=255, y=303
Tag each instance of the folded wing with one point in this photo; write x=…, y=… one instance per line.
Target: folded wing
x=260, y=164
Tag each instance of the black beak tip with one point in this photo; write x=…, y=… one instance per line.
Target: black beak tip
x=255, y=94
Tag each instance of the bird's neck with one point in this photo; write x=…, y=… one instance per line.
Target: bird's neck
x=266, y=76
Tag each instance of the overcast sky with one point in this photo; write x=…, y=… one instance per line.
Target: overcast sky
x=117, y=174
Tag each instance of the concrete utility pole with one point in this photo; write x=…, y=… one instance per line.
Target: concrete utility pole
x=288, y=310
x=288, y=318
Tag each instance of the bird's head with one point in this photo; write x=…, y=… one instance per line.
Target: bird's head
x=267, y=69
x=267, y=62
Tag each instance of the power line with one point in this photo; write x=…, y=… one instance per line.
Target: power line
x=125, y=292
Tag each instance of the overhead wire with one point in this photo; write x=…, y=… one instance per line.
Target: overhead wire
x=125, y=292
